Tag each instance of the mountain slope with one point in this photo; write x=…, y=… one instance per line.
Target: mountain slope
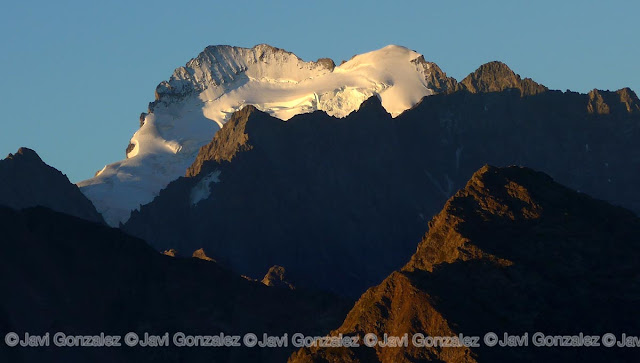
x=496, y=77
x=512, y=252
x=200, y=97
x=68, y=275
x=357, y=193
x=27, y=181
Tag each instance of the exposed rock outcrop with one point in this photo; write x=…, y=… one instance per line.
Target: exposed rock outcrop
x=227, y=142
x=199, y=253
x=497, y=77
x=170, y=252
x=276, y=277
x=436, y=78
x=621, y=101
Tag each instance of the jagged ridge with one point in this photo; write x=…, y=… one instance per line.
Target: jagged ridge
x=77, y=277
x=511, y=252
x=369, y=180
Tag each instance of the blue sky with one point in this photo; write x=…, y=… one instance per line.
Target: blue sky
x=76, y=75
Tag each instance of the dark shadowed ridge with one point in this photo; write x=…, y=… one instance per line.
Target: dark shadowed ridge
x=356, y=193
x=64, y=274
x=27, y=181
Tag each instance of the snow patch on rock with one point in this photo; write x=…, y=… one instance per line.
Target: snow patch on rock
x=202, y=190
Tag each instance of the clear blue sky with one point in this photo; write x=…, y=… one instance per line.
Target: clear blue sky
x=77, y=74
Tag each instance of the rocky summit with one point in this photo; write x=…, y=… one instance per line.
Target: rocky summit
x=27, y=181
x=513, y=252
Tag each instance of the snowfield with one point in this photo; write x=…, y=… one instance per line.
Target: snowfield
x=200, y=97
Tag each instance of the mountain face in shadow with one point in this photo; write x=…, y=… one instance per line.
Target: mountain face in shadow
x=512, y=252
x=26, y=181
x=357, y=193
x=63, y=274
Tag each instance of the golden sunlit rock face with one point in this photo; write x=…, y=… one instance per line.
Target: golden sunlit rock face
x=511, y=252
x=497, y=77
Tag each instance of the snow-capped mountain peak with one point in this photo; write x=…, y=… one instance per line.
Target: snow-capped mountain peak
x=201, y=96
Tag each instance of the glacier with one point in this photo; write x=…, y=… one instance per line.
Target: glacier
x=200, y=97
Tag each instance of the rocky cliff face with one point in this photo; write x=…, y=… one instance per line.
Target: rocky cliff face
x=497, y=77
x=229, y=141
x=223, y=64
x=317, y=191
x=511, y=252
x=26, y=181
x=63, y=274
x=623, y=101
x=436, y=78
